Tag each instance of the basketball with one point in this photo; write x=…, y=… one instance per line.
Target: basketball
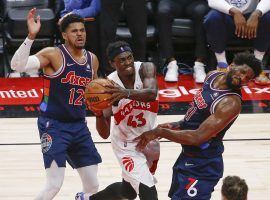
x=94, y=95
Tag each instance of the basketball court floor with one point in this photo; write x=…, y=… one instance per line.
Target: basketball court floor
x=22, y=175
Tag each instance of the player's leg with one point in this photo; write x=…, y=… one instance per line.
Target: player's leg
x=116, y=191
x=84, y=157
x=54, y=180
x=54, y=155
x=89, y=180
x=135, y=169
x=187, y=187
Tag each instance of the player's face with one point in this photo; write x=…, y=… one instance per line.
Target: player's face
x=124, y=63
x=75, y=35
x=239, y=76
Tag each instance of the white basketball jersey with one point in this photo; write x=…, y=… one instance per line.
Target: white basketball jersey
x=131, y=117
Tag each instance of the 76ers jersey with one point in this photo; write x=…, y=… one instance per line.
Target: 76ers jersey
x=63, y=92
x=202, y=106
x=131, y=117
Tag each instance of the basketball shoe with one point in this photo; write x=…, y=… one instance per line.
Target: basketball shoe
x=80, y=196
x=199, y=72
x=172, y=72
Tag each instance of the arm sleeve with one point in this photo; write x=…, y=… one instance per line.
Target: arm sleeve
x=263, y=6
x=91, y=11
x=21, y=61
x=220, y=5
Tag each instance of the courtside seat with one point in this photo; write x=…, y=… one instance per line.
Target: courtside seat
x=123, y=33
x=16, y=28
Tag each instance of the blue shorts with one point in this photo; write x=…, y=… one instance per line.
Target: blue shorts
x=67, y=141
x=195, y=178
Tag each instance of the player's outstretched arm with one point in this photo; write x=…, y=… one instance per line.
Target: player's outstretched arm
x=226, y=111
x=21, y=61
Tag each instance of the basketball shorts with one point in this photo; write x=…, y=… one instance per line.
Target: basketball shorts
x=66, y=141
x=195, y=178
x=137, y=167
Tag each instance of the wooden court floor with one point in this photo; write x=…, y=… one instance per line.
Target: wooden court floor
x=22, y=174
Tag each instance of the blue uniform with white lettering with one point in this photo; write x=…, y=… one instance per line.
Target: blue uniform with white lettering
x=62, y=126
x=198, y=169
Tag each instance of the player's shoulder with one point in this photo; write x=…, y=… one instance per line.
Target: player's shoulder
x=147, y=68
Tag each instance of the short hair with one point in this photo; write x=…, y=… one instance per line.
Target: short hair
x=69, y=19
x=115, y=48
x=234, y=188
x=250, y=60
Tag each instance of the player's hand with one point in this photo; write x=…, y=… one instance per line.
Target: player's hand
x=33, y=24
x=117, y=92
x=145, y=138
x=97, y=113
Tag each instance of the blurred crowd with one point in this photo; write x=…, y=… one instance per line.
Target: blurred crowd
x=214, y=24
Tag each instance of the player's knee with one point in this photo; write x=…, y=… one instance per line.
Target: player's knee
x=53, y=189
x=128, y=191
x=147, y=193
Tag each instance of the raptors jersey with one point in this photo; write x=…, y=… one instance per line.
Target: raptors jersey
x=202, y=106
x=131, y=117
x=63, y=92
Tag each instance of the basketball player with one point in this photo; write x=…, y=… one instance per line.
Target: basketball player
x=213, y=110
x=134, y=110
x=64, y=135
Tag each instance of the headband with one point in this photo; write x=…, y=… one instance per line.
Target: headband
x=112, y=54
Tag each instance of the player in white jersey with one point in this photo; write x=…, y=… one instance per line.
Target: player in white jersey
x=134, y=110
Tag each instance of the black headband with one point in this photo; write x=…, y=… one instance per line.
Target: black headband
x=112, y=54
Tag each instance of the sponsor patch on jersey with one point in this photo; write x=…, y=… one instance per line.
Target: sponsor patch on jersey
x=128, y=163
x=46, y=142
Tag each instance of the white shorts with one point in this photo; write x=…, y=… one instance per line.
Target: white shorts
x=136, y=166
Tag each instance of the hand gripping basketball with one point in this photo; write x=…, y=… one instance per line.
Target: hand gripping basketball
x=95, y=94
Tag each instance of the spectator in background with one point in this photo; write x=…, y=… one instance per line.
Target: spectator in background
x=57, y=6
x=136, y=14
x=245, y=19
x=167, y=11
x=234, y=188
x=86, y=9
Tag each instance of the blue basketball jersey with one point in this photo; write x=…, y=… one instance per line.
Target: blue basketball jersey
x=202, y=106
x=63, y=92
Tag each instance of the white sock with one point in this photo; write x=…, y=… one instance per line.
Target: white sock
x=259, y=54
x=199, y=64
x=221, y=57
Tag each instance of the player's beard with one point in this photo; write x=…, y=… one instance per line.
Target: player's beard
x=229, y=82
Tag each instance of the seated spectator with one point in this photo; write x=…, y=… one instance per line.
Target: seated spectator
x=234, y=188
x=86, y=9
x=245, y=19
x=136, y=15
x=166, y=12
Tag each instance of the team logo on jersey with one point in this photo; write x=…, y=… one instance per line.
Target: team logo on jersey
x=238, y=3
x=87, y=67
x=128, y=163
x=215, y=94
x=46, y=142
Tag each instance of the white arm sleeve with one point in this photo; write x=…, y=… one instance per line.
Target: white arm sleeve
x=21, y=61
x=264, y=6
x=220, y=5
